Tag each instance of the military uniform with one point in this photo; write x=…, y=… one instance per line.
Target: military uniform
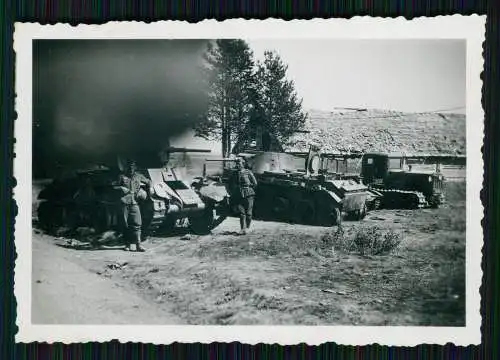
x=131, y=212
x=244, y=183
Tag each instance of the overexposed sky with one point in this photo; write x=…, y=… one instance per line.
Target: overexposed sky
x=404, y=75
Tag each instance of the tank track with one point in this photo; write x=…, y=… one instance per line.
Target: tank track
x=394, y=198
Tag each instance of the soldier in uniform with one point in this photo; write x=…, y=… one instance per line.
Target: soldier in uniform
x=129, y=184
x=243, y=194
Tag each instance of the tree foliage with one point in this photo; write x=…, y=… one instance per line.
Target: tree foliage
x=230, y=75
x=277, y=107
x=245, y=95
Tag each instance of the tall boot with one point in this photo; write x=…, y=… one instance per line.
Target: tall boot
x=249, y=221
x=127, y=239
x=138, y=246
x=243, y=225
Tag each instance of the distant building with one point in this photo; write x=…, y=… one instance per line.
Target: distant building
x=384, y=131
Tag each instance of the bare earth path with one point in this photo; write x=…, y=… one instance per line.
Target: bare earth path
x=66, y=293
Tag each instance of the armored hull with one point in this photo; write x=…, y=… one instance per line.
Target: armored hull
x=311, y=201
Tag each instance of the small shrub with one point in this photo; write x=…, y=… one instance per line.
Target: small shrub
x=337, y=241
x=333, y=238
x=391, y=242
x=372, y=241
x=366, y=241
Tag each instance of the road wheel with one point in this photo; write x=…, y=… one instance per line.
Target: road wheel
x=47, y=217
x=434, y=201
x=203, y=223
x=329, y=216
x=306, y=212
x=168, y=225
x=415, y=201
x=103, y=218
x=281, y=209
x=336, y=217
x=361, y=213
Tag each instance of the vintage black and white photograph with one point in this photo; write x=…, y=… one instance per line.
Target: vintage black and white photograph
x=252, y=181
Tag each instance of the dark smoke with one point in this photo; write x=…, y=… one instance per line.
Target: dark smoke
x=94, y=100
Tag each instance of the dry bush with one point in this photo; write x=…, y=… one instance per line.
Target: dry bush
x=366, y=241
x=338, y=240
x=371, y=241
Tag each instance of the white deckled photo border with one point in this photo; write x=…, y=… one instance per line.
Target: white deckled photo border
x=470, y=28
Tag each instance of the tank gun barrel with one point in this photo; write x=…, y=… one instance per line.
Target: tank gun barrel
x=328, y=155
x=221, y=159
x=173, y=149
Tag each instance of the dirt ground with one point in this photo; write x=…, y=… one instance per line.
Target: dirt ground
x=276, y=274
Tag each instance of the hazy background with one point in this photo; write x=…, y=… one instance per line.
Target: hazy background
x=93, y=99
x=405, y=75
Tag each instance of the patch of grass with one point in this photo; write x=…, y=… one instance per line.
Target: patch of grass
x=283, y=245
x=433, y=284
x=369, y=240
x=455, y=192
x=437, y=294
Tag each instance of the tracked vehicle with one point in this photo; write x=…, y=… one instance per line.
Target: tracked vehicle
x=88, y=198
x=288, y=193
x=400, y=186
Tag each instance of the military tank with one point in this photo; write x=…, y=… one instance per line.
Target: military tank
x=310, y=196
x=88, y=198
x=289, y=193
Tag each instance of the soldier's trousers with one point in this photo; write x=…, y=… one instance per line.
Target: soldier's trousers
x=245, y=209
x=132, y=223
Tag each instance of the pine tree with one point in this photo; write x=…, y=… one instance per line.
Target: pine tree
x=277, y=108
x=230, y=70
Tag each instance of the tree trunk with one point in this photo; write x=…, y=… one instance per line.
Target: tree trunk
x=223, y=131
x=224, y=143
x=228, y=142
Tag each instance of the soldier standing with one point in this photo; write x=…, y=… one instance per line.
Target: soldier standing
x=129, y=184
x=243, y=194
